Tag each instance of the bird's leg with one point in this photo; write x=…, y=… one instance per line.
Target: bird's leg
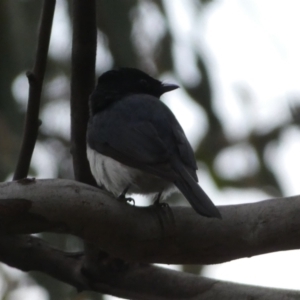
x=157, y=200
x=165, y=217
x=123, y=194
x=123, y=197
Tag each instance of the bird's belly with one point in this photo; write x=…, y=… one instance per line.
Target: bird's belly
x=116, y=177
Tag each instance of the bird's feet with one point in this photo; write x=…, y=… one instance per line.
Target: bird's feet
x=123, y=197
x=129, y=200
x=158, y=203
x=165, y=217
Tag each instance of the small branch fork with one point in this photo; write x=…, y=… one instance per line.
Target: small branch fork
x=35, y=79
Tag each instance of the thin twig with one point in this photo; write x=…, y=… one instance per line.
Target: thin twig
x=35, y=79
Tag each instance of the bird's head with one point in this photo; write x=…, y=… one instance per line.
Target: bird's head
x=114, y=84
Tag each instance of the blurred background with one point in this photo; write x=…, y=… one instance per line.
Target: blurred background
x=238, y=65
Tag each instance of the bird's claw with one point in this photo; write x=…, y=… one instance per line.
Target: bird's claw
x=129, y=200
x=162, y=205
x=158, y=203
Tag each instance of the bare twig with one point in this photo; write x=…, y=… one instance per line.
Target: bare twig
x=82, y=83
x=35, y=79
x=137, y=234
x=133, y=281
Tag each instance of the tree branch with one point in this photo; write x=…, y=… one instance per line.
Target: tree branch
x=35, y=79
x=133, y=281
x=149, y=234
x=82, y=83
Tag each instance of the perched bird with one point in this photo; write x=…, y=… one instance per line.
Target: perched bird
x=136, y=145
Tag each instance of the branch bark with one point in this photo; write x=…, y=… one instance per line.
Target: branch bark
x=35, y=79
x=132, y=281
x=82, y=83
x=148, y=234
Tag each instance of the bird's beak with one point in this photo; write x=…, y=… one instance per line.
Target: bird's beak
x=167, y=87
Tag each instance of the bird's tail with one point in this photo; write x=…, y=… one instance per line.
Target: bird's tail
x=194, y=193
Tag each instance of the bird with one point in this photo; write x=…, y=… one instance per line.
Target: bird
x=135, y=145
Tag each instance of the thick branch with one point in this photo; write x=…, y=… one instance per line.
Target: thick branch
x=133, y=281
x=82, y=83
x=176, y=236
x=35, y=78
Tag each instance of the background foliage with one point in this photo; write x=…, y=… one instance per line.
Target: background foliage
x=135, y=34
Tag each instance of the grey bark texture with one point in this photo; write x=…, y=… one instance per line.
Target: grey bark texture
x=138, y=236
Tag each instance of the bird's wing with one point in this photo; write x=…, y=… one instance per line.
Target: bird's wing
x=142, y=132
x=137, y=145
x=185, y=150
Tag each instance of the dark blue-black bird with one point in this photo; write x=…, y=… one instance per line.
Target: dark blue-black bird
x=136, y=145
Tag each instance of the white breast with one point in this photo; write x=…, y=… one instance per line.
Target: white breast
x=116, y=177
